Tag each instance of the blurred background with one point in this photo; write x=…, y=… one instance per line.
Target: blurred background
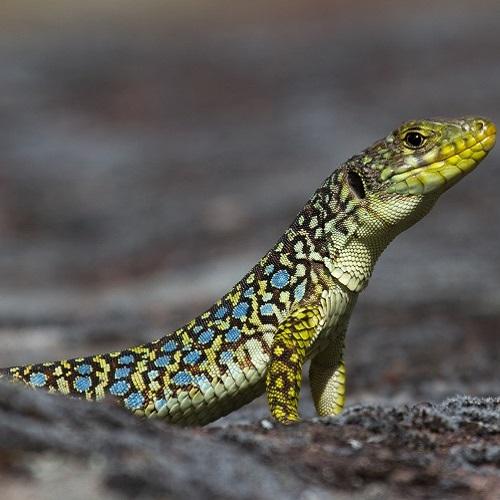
x=151, y=152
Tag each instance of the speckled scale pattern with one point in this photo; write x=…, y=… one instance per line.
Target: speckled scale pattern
x=295, y=303
x=223, y=351
x=289, y=351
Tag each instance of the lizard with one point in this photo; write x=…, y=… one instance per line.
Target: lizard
x=295, y=303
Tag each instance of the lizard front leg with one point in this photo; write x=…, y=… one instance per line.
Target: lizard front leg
x=284, y=377
x=327, y=377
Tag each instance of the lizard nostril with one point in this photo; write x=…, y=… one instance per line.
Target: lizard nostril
x=480, y=125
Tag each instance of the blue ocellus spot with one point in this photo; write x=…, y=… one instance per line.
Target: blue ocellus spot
x=269, y=269
x=280, y=279
x=162, y=361
x=182, y=378
x=134, y=401
x=38, y=379
x=119, y=388
x=226, y=356
x=221, y=312
x=249, y=292
x=160, y=403
x=240, y=310
x=233, y=334
x=202, y=382
x=84, y=369
x=170, y=346
x=266, y=309
x=192, y=357
x=127, y=359
x=82, y=384
x=300, y=291
x=122, y=372
x=206, y=336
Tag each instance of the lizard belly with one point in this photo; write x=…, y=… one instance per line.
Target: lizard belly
x=222, y=392
x=336, y=305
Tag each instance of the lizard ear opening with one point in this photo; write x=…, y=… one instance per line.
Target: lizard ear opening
x=356, y=184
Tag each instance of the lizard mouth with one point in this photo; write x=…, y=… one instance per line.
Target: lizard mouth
x=449, y=164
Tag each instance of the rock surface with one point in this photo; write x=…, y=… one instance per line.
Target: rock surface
x=446, y=450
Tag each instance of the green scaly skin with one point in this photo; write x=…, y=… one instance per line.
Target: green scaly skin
x=295, y=303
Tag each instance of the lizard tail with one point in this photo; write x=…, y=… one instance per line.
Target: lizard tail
x=121, y=375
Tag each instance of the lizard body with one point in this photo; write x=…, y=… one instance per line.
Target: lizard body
x=295, y=303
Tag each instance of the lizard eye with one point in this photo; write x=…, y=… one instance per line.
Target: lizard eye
x=414, y=139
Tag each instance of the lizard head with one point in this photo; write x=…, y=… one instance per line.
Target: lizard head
x=398, y=179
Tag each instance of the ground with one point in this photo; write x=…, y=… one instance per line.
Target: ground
x=446, y=450
x=149, y=156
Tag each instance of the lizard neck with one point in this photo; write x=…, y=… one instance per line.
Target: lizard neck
x=342, y=232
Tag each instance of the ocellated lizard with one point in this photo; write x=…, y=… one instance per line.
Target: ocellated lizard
x=295, y=303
